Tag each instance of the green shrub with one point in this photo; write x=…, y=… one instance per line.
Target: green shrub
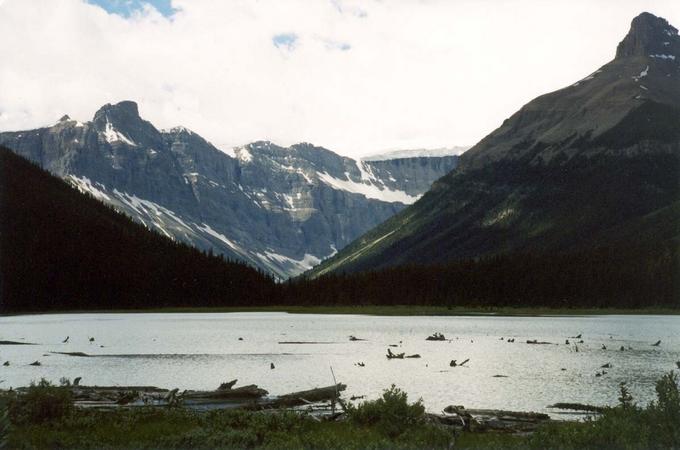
x=41, y=402
x=626, y=426
x=4, y=424
x=391, y=414
x=664, y=414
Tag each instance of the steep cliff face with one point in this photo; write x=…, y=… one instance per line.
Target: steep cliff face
x=280, y=209
x=574, y=168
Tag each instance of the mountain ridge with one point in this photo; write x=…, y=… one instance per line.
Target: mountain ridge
x=280, y=209
x=553, y=175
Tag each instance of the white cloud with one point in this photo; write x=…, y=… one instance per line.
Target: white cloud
x=358, y=76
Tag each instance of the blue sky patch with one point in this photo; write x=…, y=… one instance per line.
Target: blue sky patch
x=285, y=41
x=336, y=45
x=126, y=8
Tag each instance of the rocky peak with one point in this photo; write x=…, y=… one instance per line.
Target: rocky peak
x=65, y=118
x=649, y=35
x=121, y=123
x=120, y=113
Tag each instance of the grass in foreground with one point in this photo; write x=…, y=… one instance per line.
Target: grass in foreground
x=45, y=418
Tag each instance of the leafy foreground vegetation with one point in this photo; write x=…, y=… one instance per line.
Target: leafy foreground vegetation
x=626, y=426
x=45, y=418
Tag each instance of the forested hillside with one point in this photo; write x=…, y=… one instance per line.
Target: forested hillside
x=63, y=250
x=635, y=276
x=60, y=249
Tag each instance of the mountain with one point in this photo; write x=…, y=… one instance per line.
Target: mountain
x=280, y=209
x=62, y=250
x=417, y=153
x=594, y=164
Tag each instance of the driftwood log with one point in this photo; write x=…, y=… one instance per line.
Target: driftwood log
x=492, y=419
x=436, y=337
x=391, y=355
x=246, y=397
x=578, y=407
x=16, y=343
x=303, y=397
x=249, y=392
x=77, y=354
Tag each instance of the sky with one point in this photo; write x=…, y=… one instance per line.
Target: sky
x=355, y=76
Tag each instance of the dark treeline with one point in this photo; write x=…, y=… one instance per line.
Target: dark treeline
x=604, y=277
x=62, y=250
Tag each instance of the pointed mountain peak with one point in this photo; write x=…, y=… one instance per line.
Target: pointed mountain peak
x=65, y=118
x=648, y=35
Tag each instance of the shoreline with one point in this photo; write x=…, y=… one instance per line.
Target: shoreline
x=403, y=311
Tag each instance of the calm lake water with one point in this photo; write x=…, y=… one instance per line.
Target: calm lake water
x=199, y=351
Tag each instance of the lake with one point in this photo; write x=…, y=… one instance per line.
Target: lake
x=201, y=350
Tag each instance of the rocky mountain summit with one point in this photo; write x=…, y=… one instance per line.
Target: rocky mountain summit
x=280, y=209
x=596, y=163
x=606, y=109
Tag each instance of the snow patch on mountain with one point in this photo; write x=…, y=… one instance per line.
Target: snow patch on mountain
x=588, y=78
x=295, y=265
x=149, y=209
x=367, y=190
x=86, y=186
x=417, y=153
x=243, y=155
x=292, y=265
x=221, y=237
x=112, y=135
x=671, y=57
x=643, y=74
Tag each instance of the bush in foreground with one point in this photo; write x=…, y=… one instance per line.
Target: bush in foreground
x=390, y=422
x=391, y=414
x=626, y=426
x=4, y=424
x=387, y=423
x=42, y=402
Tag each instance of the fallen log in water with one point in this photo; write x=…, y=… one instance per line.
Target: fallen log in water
x=509, y=415
x=78, y=354
x=436, y=337
x=578, y=407
x=245, y=397
x=251, y=391
x=111, y=396
x=391, y=355
x=304, y=397
x=495, y=419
